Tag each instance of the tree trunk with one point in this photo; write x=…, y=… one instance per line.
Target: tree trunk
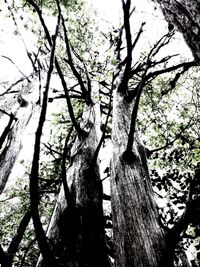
x=138, y=237
x=76, y=233
x=20, y=112
x=185, y=15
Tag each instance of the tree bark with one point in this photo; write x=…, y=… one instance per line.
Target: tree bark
x=184, y=14
x=11, y=138
x=138, y=237
x=76, y=232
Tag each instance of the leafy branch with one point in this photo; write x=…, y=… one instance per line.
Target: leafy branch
x=169, y=143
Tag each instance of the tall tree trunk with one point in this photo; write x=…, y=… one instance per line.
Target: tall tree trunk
x=20, y=112
x=138, y=237
x=185, y=15
x=76, y=232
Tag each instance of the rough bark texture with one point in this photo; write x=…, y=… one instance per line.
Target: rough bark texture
x=139, y=239
x=76, y=233
x=11, y=145
x=185, y=15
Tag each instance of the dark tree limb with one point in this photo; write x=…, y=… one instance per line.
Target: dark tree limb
x=123, y=86
x=16, y=240
x=105, y=126
x=39, y=12
x=172, y=68
x=81, y=133
x=106, y=197
x=3, y=258
x=63, y=171
x=71, y=64
x=89, y=86
x=6, y=130
x=12, y=85
x=132, y=130
x=34, y=176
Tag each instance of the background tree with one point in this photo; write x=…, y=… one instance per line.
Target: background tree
x=184, y=16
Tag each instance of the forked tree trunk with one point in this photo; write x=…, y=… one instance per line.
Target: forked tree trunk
x=185, y=15
x=138, y=237
x=77, y=233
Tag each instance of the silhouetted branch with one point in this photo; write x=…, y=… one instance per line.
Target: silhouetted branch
x=80, y=132
x=123, y=86
x=169, y=69
x=16, y=240
x=63, y=171
x=70, y=62
x=89, y=86
x=3, y=258
x=34, y=192
x=39, y=12
x=134, y=115
x=16, y=67
x=106, y=197
x=105, y=125
x=12, y=85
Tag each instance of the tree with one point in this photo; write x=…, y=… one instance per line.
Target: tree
x=19, y=111
x=184, y=16
x=76, y=232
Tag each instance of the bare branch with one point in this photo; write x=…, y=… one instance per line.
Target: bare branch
x=34, y=177
x=16, y=240
x=138, y=35
x=70, y=62
x=81, y=133
x=39, y=12
x=12, y=85
x=123, y=86
x=172, y=68
x=105, y=126
x=134, y=116
x=88, y=95
x=63, y=171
